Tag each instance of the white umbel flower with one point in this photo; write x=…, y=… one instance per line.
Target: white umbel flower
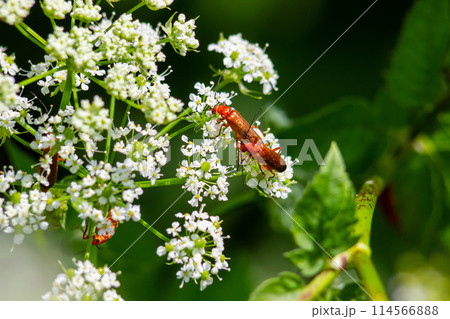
x=86, y=283
x=14, y=11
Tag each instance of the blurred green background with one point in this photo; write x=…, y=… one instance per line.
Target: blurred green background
x=408, y=239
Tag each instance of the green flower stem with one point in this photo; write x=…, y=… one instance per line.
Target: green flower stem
x=138, y=6
x=369, y=276
x=67, y=90
x=52, y=21
x=72, y=20
x=184, y=129
x=168, y=127
x=365, y=204
x=153, y=230
x=102, y=84
x=112, y=106
x=40, y=76
x=63, y=199
x=125, y=116
x=99, y=82
x=318, y=284
x=75, y=95
x=31, y=35
x=161, y=182
x=26, y=35
x=28, y=128
x=22, y=141
x=88, y=254
x=175, y=181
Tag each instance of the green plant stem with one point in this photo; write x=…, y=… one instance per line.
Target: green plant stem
x=87, y=254
x=136, y=7
x=369, y=276
x=28, y=128
x=67, y=90
x=153, y=230
x=365, y=204
x=31, y=35
x=125, y=116
x=173, y=181
x=184, y=129
x=40, y=76
x=161, y=182
x=318, y=284
x=72, y=20
x=102, y=84
x=52, y=21
x=169, y=126
x=22, y=141
x=112, y=106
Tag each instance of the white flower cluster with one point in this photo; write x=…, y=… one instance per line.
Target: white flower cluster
x=74, y=47
x=56, y=9
x=206, y=98
x=86, y=11
x=7, y=64
x=157, y=4
x=55, y=135
x=84, y=283
x=157, y=105
x=57, y=78
x=197, y=245
x=131, y=41
x=8, y=93
x=181, y=34
x=249, y=61
x=23, y=212
x=102, y=188
x=8, y=117
x=204, y=173
x=146, y=156
x=91, y=119
x=14, y=11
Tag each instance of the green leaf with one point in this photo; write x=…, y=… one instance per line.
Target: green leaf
x=326, y=212
x=287, y=286
x=416, y=67
x=308, y=261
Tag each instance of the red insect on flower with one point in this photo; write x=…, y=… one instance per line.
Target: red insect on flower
x=248, y=140
x=110, y=228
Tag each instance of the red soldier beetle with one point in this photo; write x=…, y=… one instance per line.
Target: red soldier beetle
x=250, y=141
x=100, y=239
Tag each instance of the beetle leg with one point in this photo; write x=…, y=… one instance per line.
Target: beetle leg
x=277, y=149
